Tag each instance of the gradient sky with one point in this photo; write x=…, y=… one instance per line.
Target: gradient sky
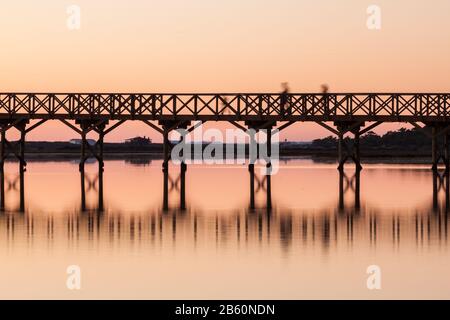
x=222, y=46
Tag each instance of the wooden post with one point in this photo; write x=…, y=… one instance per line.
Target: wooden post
x=357, y=188
x=446, y=152
x=83, y=189
x=356, y=151
x=269, y=169
x=183, y=168
x=435, y=189
x=166, y=168
x=100, y=169
x=269, y=147
x=352, y=151
x=251, y=167
x=341, y=159
x=269, y=191
x=447, y=190
x=83, y=151
x=22, y=167
x=82, y=172
x=434, y=148
x=2, y=168
x=341, y=189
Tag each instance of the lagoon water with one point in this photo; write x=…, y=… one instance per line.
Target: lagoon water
x=308, y=245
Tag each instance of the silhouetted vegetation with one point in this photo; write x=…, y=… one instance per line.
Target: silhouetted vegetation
x=403, y=139
x=400, y=143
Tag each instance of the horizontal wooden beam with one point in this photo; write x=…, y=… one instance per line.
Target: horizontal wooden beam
x=248, y=107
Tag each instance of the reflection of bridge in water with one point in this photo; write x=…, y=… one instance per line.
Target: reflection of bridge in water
x=325, y=228
x=347, y=222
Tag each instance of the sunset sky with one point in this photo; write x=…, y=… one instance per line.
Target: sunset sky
x=222, y=46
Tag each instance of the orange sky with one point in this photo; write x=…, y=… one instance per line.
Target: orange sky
x=222, y=46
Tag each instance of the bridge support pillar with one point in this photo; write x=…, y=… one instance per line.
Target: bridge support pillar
x=165, y=168
x=269, y=170
x=18, y=149
x=183, y=169
x=87, y=150
x=22, y=163
x=349, y=150
x=253, y=156
x=167, y=127
x=440, y=154
x=92, y=150
x=2, y=169
x=440, y=143
x=255, y=153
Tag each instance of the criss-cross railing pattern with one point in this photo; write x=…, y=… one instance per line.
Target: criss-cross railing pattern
x=370, y=106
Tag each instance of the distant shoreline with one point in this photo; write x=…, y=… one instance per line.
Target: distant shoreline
x=65, y=151
x=47, y=151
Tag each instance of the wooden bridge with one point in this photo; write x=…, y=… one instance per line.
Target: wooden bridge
x=386, y=107
x=341, y=113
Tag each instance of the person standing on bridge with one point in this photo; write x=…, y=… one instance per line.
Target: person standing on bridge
x=325, y=98
x=284, y=98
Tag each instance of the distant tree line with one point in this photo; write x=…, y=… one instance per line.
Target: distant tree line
x=402, y=139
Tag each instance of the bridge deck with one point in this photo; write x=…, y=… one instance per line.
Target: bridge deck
x=384, y=107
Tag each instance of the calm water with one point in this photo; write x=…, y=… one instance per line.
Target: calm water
x=309, y=245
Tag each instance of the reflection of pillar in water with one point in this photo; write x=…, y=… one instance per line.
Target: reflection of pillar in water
x=22, y=167
x=446, y=152
x=166, y=169
x=341, y=189
x=82, y=173
x=253, y=155
x=447, y=187
x=101, y=166
x=435, y=188
x=357, y=188
x=269, y=191
x=352, y=184
x=100, y=191
x=183, y=168
x=269, y=168
x=83, y=189
x=22, y=189
x=251, y=169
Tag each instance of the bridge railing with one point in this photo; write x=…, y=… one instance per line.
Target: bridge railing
x=220, y=105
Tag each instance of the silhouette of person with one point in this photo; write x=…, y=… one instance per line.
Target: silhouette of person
x=325, y=97
x=284, y=97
